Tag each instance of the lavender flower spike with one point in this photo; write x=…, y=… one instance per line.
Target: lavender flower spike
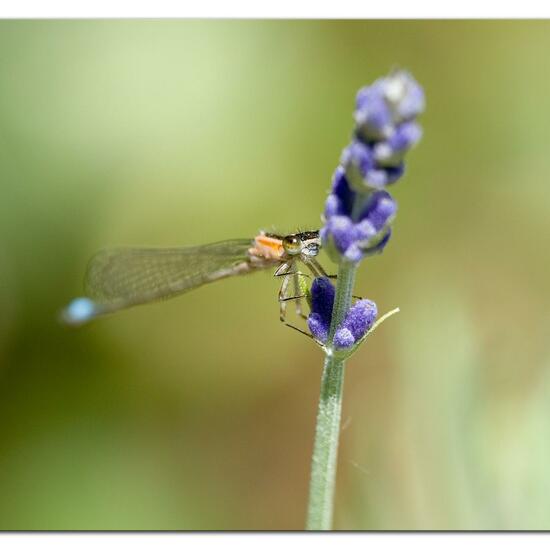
x=359, y=211
x=385, y=130
x=358, y=320
x=356, y=223
x=368, y=234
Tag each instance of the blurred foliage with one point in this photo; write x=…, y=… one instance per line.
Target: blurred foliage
x=198, y=413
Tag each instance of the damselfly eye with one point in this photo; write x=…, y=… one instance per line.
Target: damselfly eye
x=292, y=244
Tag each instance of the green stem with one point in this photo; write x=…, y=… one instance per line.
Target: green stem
x=327, y=431
x=342, y=300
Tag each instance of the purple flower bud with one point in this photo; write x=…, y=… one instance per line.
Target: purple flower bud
x=379, y=210
x=318, y=327
x=379, y=177
x=343, y=232
x=373, y=115
x=375, y=246
x=333, y=206
x=321, y=303
x=404, y=96
x=363, y=171
x=358, y=161
x=392, y=151
x=340, y=201
x=341, y=188
x=405, y=136
x=322, y=297
x=360, y=318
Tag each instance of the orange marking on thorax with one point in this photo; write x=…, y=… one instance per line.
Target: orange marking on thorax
x=267, y=247
x=271, y=243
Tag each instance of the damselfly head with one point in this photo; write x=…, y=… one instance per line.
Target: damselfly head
x=307, y=243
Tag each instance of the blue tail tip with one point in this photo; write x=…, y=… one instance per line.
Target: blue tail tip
x=79, y=311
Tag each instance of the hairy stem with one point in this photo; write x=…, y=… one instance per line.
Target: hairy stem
x=327, y=431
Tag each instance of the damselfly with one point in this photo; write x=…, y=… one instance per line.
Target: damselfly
x=123, y=277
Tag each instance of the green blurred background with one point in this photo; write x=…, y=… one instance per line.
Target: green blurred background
x=198, y=413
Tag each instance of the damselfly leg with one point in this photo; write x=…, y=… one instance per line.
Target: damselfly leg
x=293, y=279
x=299, y=295
x=290, y=290
x=292, y=287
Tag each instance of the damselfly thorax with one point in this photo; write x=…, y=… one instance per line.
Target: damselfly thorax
x=124, y=277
